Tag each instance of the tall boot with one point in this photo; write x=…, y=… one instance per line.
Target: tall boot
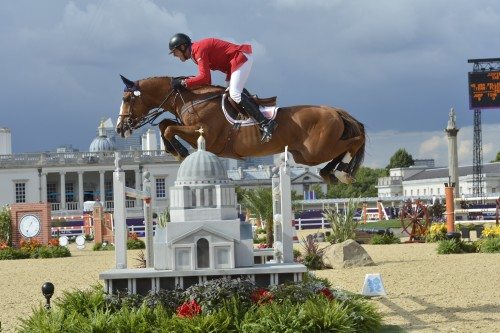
x=267, y=126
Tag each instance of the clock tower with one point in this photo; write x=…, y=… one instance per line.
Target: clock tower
x=30, y=221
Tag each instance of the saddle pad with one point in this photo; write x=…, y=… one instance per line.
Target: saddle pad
x=268, y=111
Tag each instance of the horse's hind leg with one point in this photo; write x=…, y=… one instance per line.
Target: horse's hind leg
x=349, y=163
x=326, y=171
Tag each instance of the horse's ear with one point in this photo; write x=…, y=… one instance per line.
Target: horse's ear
x=129, y=84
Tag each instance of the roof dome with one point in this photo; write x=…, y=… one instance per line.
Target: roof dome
x=102, y=142
x=201, y=167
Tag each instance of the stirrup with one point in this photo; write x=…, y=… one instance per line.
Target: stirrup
x=267, y=131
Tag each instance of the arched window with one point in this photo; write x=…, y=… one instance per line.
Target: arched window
x=202, y=253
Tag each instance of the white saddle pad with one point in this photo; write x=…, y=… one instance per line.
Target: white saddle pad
x=268, y=111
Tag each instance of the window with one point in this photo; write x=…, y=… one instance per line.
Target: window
x=20, y=192
x=70, y=194
x=51, y=192
x=160, y=188
x=202, y=253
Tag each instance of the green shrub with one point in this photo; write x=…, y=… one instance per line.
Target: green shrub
x=449, y=246
x=489, y=245
x=296, y=307
x=385, y=239
x=343, y=224
x=313, y=257
x=41, y=252
x=135, y=244
x=103, y=247
x=13, y=254
x=5, y=226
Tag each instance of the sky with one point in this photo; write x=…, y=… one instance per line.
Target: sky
x=396, y=66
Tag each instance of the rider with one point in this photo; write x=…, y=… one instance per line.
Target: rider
x=233, y=60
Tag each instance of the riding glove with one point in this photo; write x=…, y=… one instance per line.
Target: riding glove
x=177, y=83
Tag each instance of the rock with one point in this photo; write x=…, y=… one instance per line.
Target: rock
x=348, y=254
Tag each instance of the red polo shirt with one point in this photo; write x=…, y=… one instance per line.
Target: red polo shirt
x=215, y=54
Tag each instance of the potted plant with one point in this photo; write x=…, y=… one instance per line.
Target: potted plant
x=479, y=230
x=464, y=230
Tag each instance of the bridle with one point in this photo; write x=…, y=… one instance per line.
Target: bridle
x=128, y=118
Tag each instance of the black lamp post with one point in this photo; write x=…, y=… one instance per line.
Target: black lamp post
x=47, y=291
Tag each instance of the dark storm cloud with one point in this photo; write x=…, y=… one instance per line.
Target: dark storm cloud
x=395, y=65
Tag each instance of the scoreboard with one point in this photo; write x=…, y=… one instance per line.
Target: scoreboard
x=484, y=90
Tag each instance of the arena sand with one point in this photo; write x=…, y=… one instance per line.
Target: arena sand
x=426, y=292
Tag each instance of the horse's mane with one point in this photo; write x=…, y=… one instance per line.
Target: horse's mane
x=198, y=90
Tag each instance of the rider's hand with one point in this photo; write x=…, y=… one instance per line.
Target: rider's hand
x=177, y=83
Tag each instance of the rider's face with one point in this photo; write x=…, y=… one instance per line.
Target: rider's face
x=180, y=53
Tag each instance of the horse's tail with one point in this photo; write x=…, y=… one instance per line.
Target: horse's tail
x=353, y=128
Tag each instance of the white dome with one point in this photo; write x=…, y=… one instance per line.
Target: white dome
x=102, y=142
x=201, y=167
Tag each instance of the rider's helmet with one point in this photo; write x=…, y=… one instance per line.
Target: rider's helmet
x=178, y=40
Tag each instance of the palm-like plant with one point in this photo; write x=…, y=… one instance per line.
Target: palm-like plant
x=343, y=224
x=260, y=203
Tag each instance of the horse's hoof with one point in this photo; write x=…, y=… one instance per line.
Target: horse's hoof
x=344, y=177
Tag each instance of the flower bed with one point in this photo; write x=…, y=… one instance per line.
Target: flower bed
x=221, y=305
x=33, y=249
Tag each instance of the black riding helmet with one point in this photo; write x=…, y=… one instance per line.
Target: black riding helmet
x=178, y=40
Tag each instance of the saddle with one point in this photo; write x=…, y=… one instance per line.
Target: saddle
x=236, y=112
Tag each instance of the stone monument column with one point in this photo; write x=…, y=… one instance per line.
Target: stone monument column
x=451, y=132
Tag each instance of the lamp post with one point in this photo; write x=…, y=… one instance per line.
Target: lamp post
x=47, y=291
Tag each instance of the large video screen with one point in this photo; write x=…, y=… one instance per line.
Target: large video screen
x=484, y=90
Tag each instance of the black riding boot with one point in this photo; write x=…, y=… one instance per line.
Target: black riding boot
x=266, y=126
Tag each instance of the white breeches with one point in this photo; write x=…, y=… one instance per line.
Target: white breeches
x=239, y=77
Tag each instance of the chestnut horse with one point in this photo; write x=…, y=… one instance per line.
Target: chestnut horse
x=313, y=134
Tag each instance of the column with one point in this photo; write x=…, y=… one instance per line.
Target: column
x=63, y=190
x=137, y=185
x=44, y=187
x=286, y=212
x=80, y=190
x=102, y=197
x=120, y=215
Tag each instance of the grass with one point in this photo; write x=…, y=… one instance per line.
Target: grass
x=394, y=223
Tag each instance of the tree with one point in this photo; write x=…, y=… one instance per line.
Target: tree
x=497, y=159
x=260, y=203
x=366, y=180
x=400, y=159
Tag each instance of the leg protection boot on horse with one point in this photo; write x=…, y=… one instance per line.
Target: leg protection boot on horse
x=342, y=170
x=266, y=126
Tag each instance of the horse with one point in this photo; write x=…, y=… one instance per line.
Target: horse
x=314, y=134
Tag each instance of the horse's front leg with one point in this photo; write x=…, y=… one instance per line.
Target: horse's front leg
x=169, y=148
x=188, y=133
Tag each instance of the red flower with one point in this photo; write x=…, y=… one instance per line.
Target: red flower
x=53, y=242
x=327, y=293
x=3, y=245
x=262, y=296
x=189, y=309
x=262, y=246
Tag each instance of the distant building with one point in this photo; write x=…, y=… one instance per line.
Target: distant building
x=5, y=141
x=421, y=181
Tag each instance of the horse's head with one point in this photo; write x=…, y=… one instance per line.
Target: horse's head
x=132, y=108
